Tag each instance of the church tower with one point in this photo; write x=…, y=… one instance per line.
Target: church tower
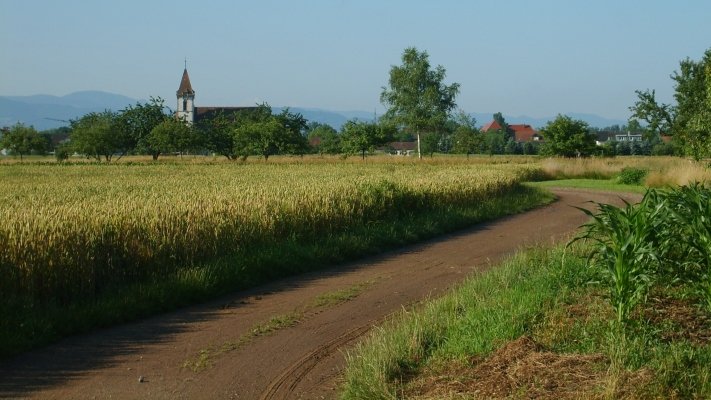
x=186, y=98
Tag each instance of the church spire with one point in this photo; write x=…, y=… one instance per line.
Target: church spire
x=186, y=98
x=185, y=87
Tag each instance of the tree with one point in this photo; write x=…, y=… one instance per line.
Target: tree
x=568, y=137
x=430, y=143
x=137, y=121
x=659, y=117
x=693, y=95
x=689, y=121
x=466, y=138
x=508, y=133
x=217, y=133
x=292, y=133
x=22, y=140
x=417, y=100
x=99, y=135
x=530, y=148
x=511, y=147
x=324, y=139
x=494, y=142
x=169, y=136
x=362, y=137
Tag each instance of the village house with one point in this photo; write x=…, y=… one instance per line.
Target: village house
x=402, y=148
x=522, y=132
x=616, y=136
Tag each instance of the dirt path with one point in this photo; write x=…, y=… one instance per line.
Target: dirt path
x=211, y=351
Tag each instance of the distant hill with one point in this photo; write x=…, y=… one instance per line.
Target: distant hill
x=47, y=112
x=334, y=118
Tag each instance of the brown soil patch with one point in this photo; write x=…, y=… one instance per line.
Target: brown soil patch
x=681, y=318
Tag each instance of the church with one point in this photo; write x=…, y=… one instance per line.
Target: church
x=186, y=104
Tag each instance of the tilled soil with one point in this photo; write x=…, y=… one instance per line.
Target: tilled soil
x=156, y=358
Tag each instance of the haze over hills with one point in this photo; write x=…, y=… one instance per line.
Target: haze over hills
x=47, y=112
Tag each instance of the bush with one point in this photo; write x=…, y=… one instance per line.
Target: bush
x=631, y=176
x=62, y=153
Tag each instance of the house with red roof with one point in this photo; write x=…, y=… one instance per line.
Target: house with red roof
x=521, y=132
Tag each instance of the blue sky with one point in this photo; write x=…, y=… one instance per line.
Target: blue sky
x=536, y=58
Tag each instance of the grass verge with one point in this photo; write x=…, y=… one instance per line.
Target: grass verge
x=536, y=328
x=609, y=185
x=25, y=326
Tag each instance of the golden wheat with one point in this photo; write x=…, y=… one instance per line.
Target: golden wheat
x=75, y=229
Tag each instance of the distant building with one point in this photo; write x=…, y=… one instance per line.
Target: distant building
x=401, y=148
x=186, y=104
x=617, y=136
x=521, y=132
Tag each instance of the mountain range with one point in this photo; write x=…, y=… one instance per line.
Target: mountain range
x=47, y=112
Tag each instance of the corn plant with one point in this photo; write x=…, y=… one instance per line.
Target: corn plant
x=626, y=249
x=689, y=224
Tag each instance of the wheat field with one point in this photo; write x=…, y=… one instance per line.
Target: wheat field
x=69, y=232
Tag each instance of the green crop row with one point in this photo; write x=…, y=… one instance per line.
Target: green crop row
x=666, y=237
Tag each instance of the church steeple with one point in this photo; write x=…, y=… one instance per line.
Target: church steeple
x=185, y=87
x=186, y=97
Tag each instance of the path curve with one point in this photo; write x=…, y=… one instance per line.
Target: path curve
x=146, y=359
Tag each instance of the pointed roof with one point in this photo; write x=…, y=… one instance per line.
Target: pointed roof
x=525, y=133
x=491, y=126
x=185, y=87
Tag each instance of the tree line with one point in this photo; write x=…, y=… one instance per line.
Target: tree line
x=420, y=107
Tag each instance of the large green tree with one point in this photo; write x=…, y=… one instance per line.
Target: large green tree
x=417, y=99
x=265, y=134
x=217, y=133
x=324, y=139
x=693, y=96
x=98, y=135
x=168, y=136
x=137, y=121
x=505, y=128
x=659, y=117
x=568, y=137
x=292, y=135
x=689, y=120
x=360, y=137
x=220, y=132
x=22, y=140
x=466, y=138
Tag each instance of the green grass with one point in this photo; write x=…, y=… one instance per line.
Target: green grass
x=610, y=185
x=25, y=326
x=545, y=295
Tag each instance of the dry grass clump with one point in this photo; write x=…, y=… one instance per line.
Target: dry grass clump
x=523, y=369
x=662, y=171
x=592, y=168
x=678, y=173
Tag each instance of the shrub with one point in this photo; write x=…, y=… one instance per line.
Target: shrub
x=631, y=176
